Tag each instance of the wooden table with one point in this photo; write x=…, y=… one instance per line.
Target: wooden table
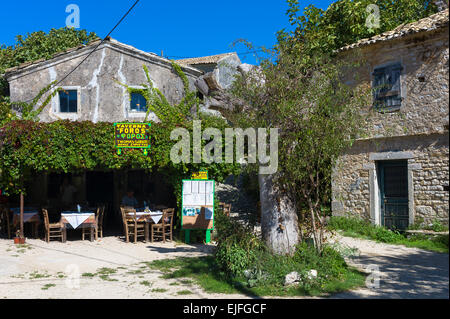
x=30, y=215
x=78, y=220
x=148, y=218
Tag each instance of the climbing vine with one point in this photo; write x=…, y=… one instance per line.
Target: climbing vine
x=11, y=111
x=173, y=115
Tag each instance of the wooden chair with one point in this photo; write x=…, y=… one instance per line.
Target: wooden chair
x=226, y=208
x=131, y=225
x=56, y=230
x=87, y=231
x=165, y=227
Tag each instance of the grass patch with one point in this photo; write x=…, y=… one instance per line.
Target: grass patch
x=36, y=275
x=358, y=228
x=88, y=275
x=107, y=278
x=48, y=286
x=435, y=225
x=159, y=290
x=205, y=272
x=184, y=292
x=106, y=271
x=146, y=283
x=135, y=272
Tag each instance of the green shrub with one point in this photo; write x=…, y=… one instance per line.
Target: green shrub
x=236, y=245
x=246, y=260
x=437, y=226
x=233, y=258
x=387, y=236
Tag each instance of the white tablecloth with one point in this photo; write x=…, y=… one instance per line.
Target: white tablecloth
x=76, y=219
x=156, y=216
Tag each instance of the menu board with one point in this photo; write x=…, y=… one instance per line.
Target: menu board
x=132, y=135
x=198, y=204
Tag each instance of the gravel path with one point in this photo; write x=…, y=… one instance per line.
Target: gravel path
x=404, y=273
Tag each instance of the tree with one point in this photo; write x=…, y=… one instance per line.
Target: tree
x=318, y=117
x=302, y=92
x=344, y=22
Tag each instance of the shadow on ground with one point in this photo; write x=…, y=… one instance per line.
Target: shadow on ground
x=410, y=275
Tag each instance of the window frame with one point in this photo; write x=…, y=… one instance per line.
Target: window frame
x=130, y=110
x=68, y=88
x=382, y=69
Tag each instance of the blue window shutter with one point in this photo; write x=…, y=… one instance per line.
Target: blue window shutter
x=387, y=87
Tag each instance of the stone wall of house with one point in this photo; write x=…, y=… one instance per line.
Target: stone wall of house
x=101, y=98
x=418, y=131
x=424, y=83
x=428, y=159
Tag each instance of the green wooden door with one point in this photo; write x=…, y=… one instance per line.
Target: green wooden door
x=394, y=194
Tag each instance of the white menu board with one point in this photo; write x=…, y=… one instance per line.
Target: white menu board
x=198, y=193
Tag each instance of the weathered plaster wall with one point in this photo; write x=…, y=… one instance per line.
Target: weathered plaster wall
x=101, y=98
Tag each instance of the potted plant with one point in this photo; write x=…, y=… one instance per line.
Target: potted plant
x=19, y=240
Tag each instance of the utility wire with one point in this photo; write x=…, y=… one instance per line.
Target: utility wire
x=95, y=49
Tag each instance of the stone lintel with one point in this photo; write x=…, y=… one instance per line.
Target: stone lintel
x=387, y=156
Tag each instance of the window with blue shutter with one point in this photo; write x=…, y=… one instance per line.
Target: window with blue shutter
x=138, y=103
x=68, y=101
x=387, y=87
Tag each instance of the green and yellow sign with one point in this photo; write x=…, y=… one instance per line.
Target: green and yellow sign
x=200, y=175
x=132, y=135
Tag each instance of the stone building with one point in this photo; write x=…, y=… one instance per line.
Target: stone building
x=397, y=173
x=92, y=92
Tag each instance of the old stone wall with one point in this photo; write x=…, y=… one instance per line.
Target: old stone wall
x=428, y=160
x=424, y=83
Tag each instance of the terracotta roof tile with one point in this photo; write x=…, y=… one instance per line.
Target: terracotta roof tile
x=433, y=22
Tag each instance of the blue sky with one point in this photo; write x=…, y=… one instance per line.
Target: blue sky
x=179, y=28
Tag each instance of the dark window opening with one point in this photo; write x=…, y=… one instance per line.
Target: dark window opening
x=68, y=101
x=200, y=96
x=387, y=87
x=138, y=103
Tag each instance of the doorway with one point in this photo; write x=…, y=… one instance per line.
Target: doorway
x=393, y=185
x=100, y=190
